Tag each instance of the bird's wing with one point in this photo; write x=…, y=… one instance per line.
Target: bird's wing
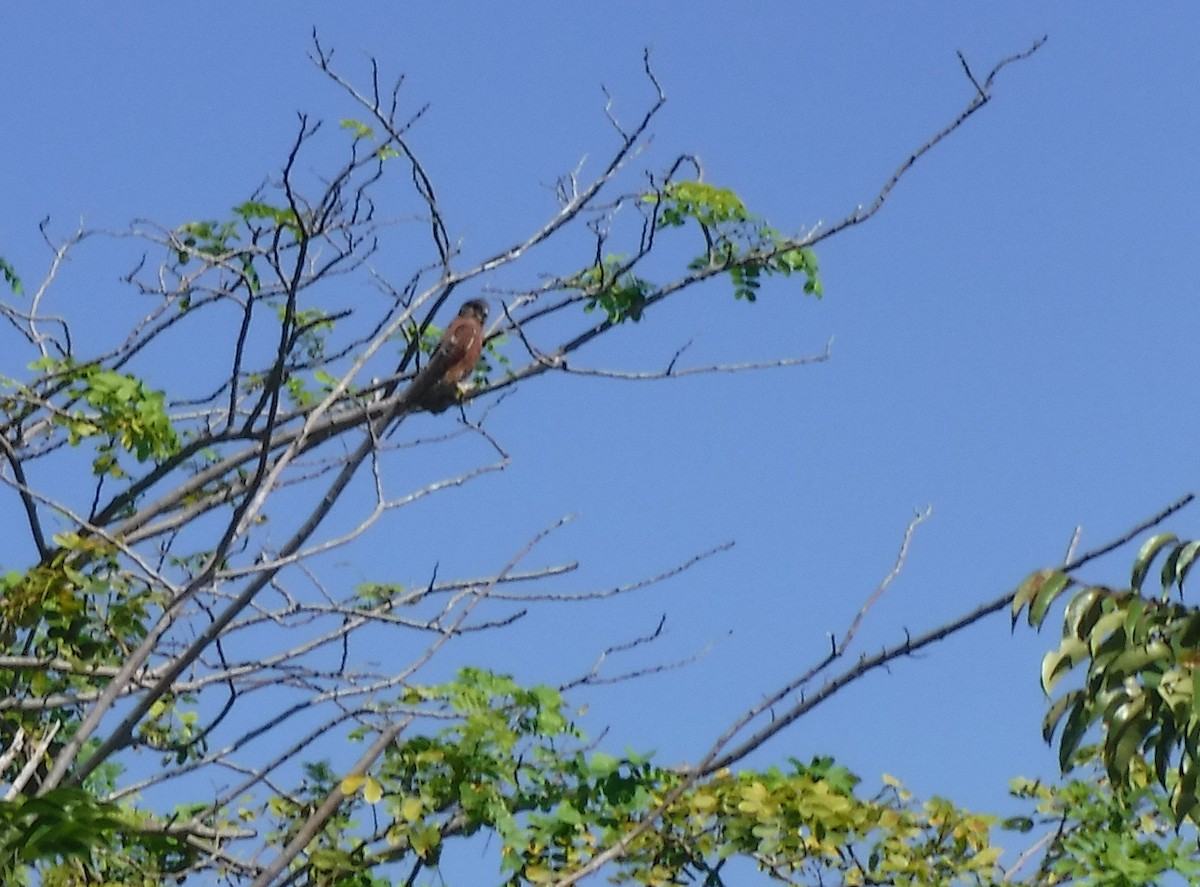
x=463, y=343
x=457, y=341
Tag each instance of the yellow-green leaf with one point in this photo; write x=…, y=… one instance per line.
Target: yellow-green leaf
x=372, y=791
x=412, y=809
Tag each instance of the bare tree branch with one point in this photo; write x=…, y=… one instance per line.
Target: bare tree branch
x=195, y=564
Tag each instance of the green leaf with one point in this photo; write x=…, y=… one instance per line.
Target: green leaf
x=1134, y=625
x=1070, y=653
x=567, y=813
x=1183, y=565
x=1146, y=554
x=10, y=277
x=1163, y=747
x=1026, y=591
x=1056, y=711
x=1085, y=608
x=1055, y=583
x=1104, y=636
x=1134, y=660
x=1184, y=798
x=1167, y=573
x=357, y=127
x=602, y=764
x=1126, y=733
x=1073, y=730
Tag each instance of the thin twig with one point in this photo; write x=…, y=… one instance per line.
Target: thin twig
x=919, y=518
x=717, y=758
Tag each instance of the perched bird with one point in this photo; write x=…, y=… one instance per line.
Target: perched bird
x=436, y=387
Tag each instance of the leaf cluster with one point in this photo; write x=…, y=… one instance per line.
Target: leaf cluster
x=9, y=273
x=516, y=766
x=118, y=409
x=1099, y=838
x=1141, y=678
x=83, y=841
x=611, y=287
x=737, y=241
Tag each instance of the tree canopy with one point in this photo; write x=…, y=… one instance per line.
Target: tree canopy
x=188, y=695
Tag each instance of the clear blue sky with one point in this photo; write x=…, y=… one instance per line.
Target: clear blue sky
x=1014, y=334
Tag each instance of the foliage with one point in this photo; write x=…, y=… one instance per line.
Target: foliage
x=117, y=408
x=10, y=276
x=84, y=841
x=75, y=605
x=1141, y=680
x=362, y=131
x=174, y=630
x=513, y=763
x=609, y=286
x=126, y=621
x=1098, y=838
x=737, y=242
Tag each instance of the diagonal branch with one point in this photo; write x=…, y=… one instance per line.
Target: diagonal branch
x=716, y=759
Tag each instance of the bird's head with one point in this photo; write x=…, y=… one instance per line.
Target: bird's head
x=476, y=308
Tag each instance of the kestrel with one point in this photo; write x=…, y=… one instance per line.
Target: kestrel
x=454, y=359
